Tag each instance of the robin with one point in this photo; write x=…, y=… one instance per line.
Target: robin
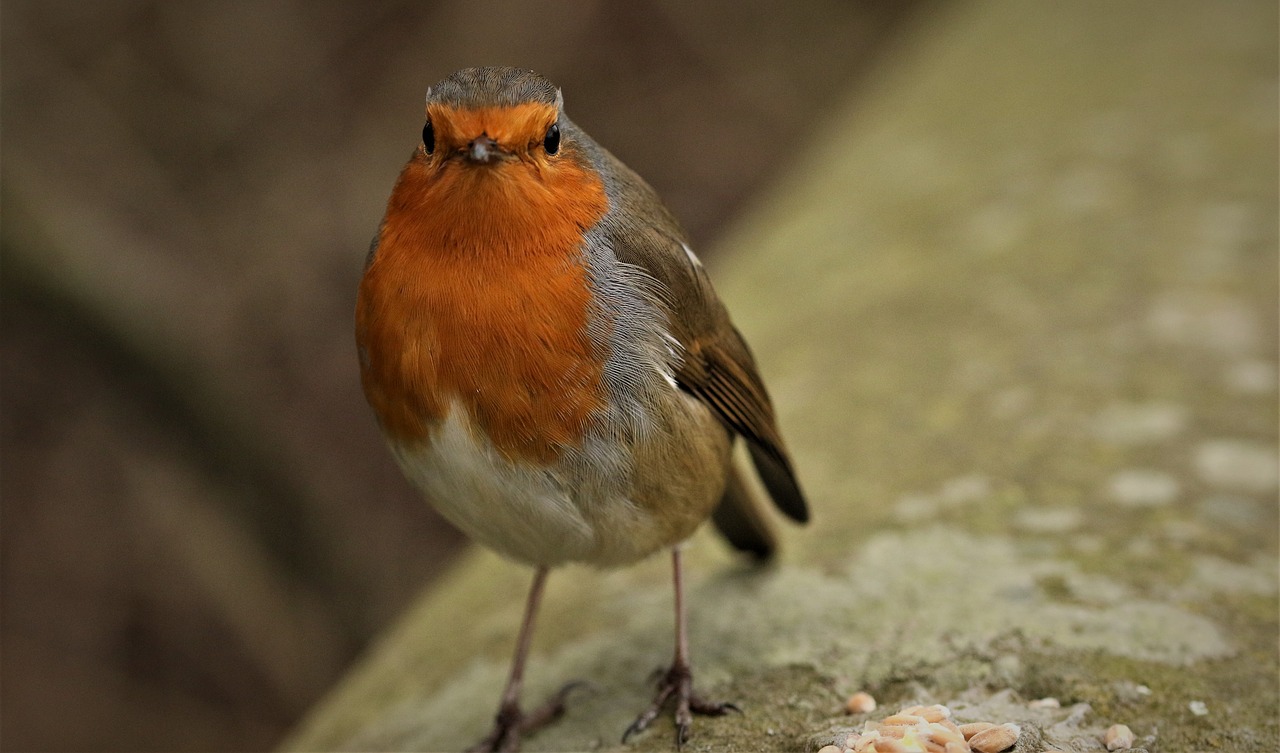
x=550, y=364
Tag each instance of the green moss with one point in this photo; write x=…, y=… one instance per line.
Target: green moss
x=781, y=708
x=1242, y=700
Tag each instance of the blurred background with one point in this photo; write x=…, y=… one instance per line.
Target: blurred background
x=201, y=526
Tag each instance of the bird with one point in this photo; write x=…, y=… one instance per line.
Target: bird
x=551, y=367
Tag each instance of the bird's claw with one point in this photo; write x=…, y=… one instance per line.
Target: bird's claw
x=677, y=682
x=511, y=723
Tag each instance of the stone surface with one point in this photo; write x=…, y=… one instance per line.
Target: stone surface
x=1018, y=312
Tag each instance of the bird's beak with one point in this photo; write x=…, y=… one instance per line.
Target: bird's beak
x=484, y=150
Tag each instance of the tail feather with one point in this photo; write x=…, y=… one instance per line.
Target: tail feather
x=774, y=469
x=741, y=518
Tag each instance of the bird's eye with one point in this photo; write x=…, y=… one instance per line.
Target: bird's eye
x=552, y=142
x=428, y=138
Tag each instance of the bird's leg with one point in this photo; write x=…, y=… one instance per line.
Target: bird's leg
x=510, y=722
x=677, y=682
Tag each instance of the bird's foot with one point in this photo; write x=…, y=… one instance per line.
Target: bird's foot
x=677, y=683
x=511, y=723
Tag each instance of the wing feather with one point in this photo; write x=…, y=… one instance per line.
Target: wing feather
x=716, y=365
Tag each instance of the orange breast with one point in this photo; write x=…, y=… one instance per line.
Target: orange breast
x=478, y=296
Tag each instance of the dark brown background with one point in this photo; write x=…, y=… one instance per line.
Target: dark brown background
x=201, y=528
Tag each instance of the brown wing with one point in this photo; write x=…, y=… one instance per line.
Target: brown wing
x=717, y=368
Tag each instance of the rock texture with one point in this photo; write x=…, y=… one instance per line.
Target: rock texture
x=1018, y=309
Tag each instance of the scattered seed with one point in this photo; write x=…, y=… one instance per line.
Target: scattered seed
x=996, y=739
x=1118, y=737
x=860, y=703
x=944, y=732
x=973, y=728
x=1045, y=703
x=951, y=727
x=929, y=729
x=1198, y=708
x=884, y=745
x=896, y=731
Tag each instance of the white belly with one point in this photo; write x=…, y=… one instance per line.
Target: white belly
x=520, y=511
x=591, y=506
